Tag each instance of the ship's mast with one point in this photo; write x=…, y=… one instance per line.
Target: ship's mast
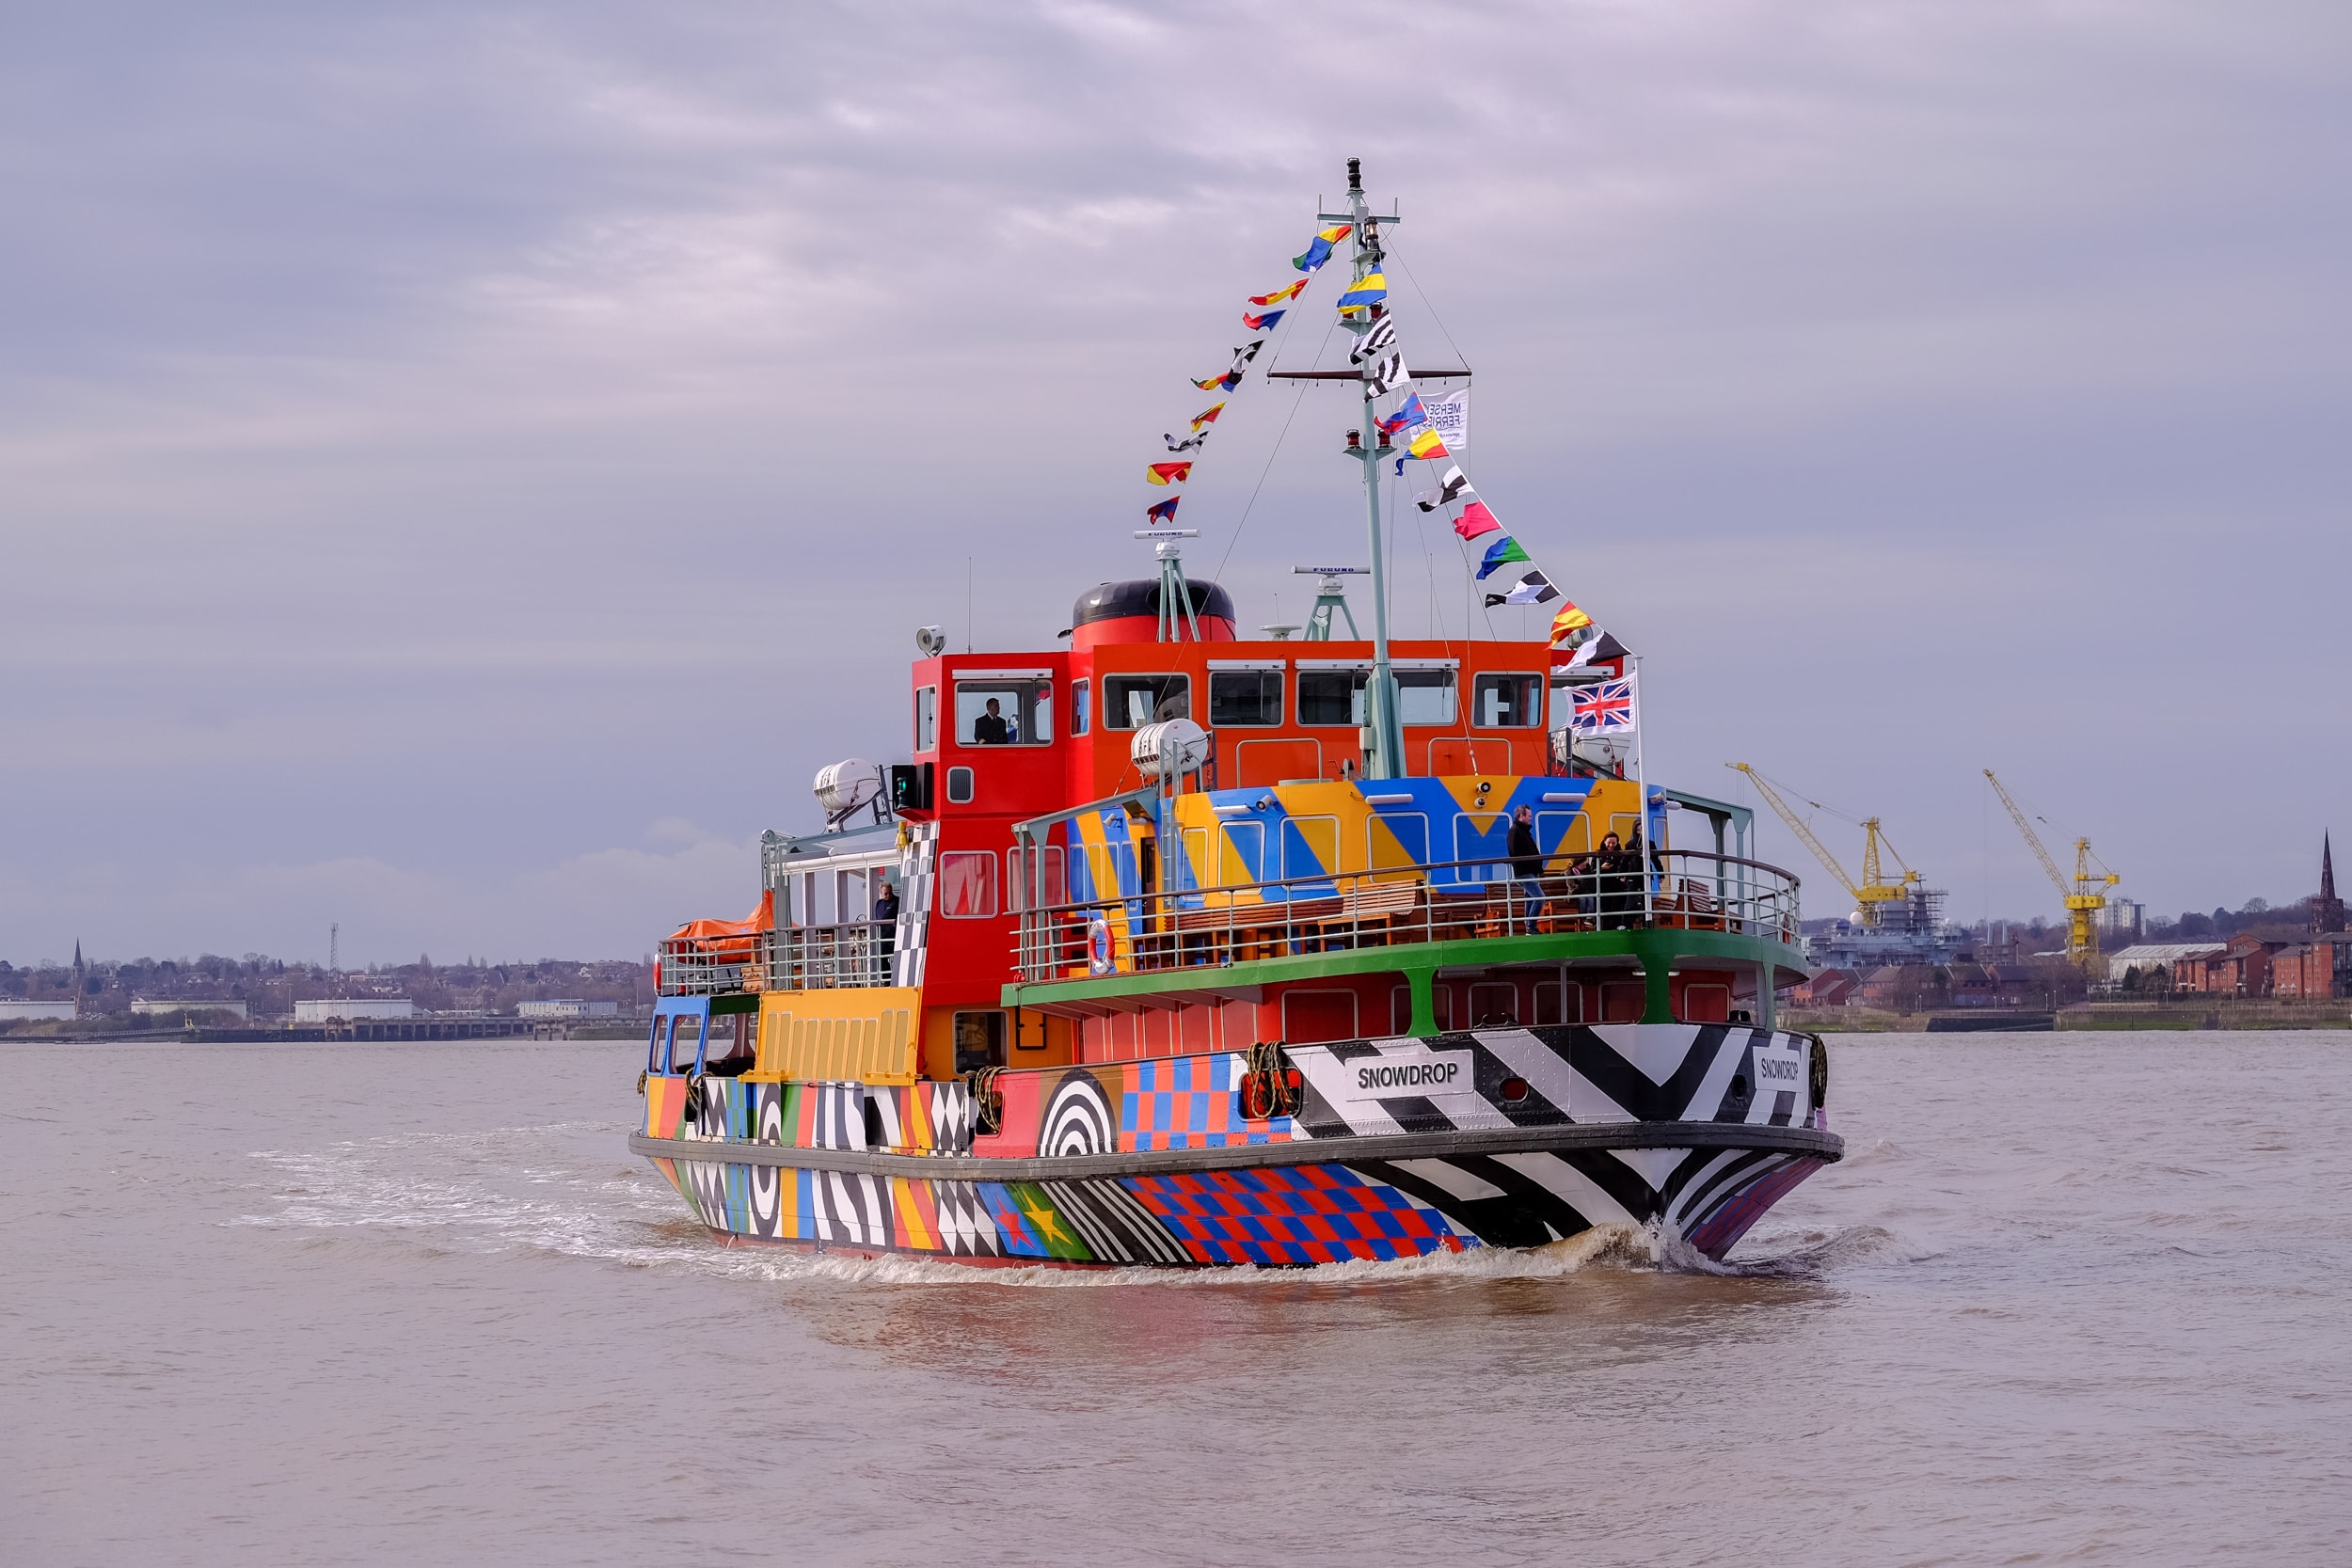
x=1384, y=750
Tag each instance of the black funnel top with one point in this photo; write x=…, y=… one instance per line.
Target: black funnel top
x=1112, y=601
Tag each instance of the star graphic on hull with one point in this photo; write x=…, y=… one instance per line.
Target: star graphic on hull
x=1048, y=1222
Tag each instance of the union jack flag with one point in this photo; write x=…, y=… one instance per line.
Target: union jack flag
x=1602, y=707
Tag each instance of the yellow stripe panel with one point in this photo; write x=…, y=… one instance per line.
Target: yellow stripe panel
x=866, y=1033
x=912, y=1232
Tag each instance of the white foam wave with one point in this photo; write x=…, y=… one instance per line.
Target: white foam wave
x=514, y=1188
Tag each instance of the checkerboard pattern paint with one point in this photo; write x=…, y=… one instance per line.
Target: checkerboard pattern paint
x=1190, y=1102
x=1293, y=1214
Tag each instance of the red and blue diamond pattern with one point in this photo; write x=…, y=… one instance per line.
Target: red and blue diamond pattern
x=1189, y=1103
x=1293, y=1214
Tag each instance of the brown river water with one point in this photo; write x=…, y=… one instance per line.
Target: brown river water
x=2071, y=1298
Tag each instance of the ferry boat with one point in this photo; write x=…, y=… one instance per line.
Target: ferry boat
x=1175, y=947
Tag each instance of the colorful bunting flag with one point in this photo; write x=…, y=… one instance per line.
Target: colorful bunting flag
x=1207, y=416
x=1569, y=620
x=1169, y=474
x=1427, y=444
x=1534, y=588
x=1382, y=337
x=1370, y=289
x=1288, y=291
x=1190, y=443
x=1383, y=376
x=1232, y=378
x=1163, y=512
x=1450, y=489
x=1263, y=324
x=1476, y=519
x=1596, y=647
x=1319, y=249
x=1407, y=416
x=1502, y=553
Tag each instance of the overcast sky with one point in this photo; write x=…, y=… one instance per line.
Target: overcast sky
x=463, y=468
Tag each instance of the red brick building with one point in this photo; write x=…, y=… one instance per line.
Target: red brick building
x=2315, y=970
x=1832, y=988
x=2242, y=968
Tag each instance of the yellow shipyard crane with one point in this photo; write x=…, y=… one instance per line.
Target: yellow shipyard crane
x=2083, y=897
x=1874, y=889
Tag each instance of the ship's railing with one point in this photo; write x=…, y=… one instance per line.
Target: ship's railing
x=1443, y=901
x=827, y=957
x=706, y=966
x=796, y=957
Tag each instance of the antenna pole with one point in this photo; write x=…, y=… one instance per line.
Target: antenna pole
x=1385, y=757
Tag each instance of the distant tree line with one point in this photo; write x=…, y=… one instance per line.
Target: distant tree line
x=270, y=987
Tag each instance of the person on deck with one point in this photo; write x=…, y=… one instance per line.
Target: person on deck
x=1620, y=884
x=1527, y=864
x=886, y=926
x=990, y=728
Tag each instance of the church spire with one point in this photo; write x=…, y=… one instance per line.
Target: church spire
x=2328, y=909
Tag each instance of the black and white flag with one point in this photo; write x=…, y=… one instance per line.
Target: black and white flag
x=1190, y=443
x=1382, y=336
x=1452, y=488
x=1383, y=376
x=1534, y=588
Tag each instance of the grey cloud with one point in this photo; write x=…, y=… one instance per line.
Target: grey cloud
x=423, y=429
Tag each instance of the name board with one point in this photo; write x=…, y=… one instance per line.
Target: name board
x=1418, y=1072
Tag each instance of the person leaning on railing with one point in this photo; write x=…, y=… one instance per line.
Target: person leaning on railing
x=1527, y=864
x=1619, y=874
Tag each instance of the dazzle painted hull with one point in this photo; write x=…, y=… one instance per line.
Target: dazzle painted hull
x=1399, y=1147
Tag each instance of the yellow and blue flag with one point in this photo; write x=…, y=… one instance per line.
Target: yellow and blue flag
x=1370, y=289
x=1319, y=249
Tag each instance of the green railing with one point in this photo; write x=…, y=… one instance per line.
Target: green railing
x=1446, y=901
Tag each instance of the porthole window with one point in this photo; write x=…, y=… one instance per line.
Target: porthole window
x=959, y=786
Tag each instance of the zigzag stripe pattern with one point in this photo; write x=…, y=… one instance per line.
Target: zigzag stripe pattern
x=1565, y=1073
x=1337, y=1209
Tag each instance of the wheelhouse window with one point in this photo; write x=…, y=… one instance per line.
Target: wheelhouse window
x=926, y=718
x=734, y=1044
x=1425, y=696
x=1080, y=707
x=1004, y=711
x=1131, y=702
x=686, y=1034
x=1333, y=696
x=967, y=884
x=1245, y=697
x=1513, y=700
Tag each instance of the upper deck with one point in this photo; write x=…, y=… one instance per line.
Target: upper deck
x=1047, y=879
x=1276, y=712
